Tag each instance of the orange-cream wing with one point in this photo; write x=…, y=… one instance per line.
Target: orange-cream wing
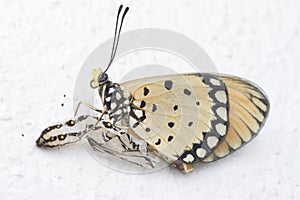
x=184, y=117
x=248, y=110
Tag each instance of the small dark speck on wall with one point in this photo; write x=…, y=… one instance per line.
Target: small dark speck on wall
x=22, y=135
x=62, y=104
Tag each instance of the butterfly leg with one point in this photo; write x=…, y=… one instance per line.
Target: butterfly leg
x=129, y=142
x=117, y=147
x=186, y=168
x=104, y=123
x=107, y=124
x=88, y=106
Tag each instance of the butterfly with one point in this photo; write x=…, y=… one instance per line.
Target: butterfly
x=182, y=118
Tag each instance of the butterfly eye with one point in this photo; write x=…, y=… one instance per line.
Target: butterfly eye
x=102, y=78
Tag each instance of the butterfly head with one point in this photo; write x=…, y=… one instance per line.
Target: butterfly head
x=102, y=78
x=99, y=78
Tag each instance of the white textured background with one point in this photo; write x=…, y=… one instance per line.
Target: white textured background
x=43, y=45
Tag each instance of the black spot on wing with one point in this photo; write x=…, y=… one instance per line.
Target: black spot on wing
x=175, y=107
x=142, y=118
x=143, y=104
x=171, y=124
x=135, y=125
x=168, y=85
x=146, y=91
x=170, y=138
x=158, y=141
x=187, y=92
x=154, y=108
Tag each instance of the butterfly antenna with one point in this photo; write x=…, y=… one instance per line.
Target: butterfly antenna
x=125, y=12
x=116, y=36
x=116, y=28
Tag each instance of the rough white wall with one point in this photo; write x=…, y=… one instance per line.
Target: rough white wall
x=42, y=47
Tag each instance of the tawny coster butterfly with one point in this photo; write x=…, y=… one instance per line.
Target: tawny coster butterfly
x=183, y=118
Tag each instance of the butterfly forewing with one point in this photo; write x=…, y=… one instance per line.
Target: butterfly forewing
x=249, y=108
x=182, y=116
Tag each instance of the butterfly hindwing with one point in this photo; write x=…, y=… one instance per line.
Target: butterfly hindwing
x=182, y=116
x=249, y=108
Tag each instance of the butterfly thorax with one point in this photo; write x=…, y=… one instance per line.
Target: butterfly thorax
x=116, y=101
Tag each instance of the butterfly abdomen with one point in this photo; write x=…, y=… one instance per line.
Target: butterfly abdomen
x=69, y=131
